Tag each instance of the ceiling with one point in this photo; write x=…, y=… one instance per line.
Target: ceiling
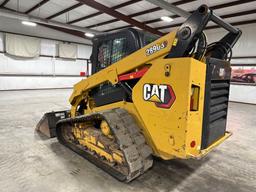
x=109, y=15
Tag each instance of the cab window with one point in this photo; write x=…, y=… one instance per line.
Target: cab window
x=118, y=49
x=104, y=54
x=111, y=51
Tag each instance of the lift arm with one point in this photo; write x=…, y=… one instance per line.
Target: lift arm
x=192, y=29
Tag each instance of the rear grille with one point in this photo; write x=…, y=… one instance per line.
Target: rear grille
x=219, y=98
x=216, y=101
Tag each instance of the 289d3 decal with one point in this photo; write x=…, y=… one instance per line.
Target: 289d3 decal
x=162, y=95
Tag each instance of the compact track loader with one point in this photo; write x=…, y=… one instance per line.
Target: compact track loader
x=150, y=96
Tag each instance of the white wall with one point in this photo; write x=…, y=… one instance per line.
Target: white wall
x=243, y=93
x=16, y=83
x=42, y=72
x=246, y=44
x=245, y=47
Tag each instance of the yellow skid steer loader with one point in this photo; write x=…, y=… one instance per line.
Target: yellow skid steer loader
x=149, y=96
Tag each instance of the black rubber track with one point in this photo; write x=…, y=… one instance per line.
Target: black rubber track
x=138, y=159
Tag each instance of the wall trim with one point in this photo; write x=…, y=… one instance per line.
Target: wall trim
x=244, y=57
x=245, y=65
x=240, y=102
x=45, y=38
x=36, y=75
x=39, y=89
x=49, y=56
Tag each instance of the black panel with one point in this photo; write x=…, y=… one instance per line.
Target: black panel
x=107, y=94
x=216, y=100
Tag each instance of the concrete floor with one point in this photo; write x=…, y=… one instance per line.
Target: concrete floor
x=29, y=162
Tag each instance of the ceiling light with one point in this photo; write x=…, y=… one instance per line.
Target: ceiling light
x=28, y=23
x=89, y=35
x=167, y=19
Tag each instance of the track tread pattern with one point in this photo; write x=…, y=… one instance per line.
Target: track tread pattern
x=131, y=141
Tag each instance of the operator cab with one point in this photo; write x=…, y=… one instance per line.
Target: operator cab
x=112, y=47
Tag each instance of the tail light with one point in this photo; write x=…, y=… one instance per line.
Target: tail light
x=194, y=100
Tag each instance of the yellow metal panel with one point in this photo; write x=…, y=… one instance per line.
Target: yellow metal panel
x=168, y=128
x=195, y=118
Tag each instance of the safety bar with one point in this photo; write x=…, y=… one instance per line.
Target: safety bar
x=218, y=20
x=192, y=29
